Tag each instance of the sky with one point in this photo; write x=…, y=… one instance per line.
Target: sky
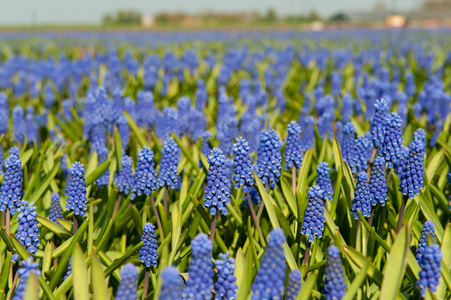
x=22, y=12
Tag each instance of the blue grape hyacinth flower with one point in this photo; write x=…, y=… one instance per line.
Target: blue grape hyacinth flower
x=428, y=230
x=393, y=140
x=148, y=254
x=76, y=200
x=128, y=287
x=171, y=286
x=169, y=164
x=25, y=271
x=105, y=178
x=242, y=166
x=293, y=149
x=411, y=181
x=4, y=113
x=360, y=158
x=225, y=287
x=200, y=282
x=323, y=180
x=308, y=134
x=28, y=231
x=124, y=179
x=269, y=159
x=348, y=146
x=144, y=181
x=10, y=192
x=217, y=189
x=334, y=280
x=361, y=199
x=18, y=124
x=313, y=225
x=294, y=285
x=56, y=212
x=378, y=185
x=377, y=128
x=430, y=263
x=270, y=278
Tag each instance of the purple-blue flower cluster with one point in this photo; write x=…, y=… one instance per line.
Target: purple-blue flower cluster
x=76, y=200
x=269, y=159
x=242, y=165
x=334, y=280
x=145, y=180
x=361, y=199
x=293, y=149
x=217, y=189
x=313, y=225
x=168, y=175
x=148, y=254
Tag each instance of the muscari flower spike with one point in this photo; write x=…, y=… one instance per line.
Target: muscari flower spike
x=430, y=263
x=334, y=280
x=294, y=285
x=148, y=254
x=144, y=180
x=10, y=192
x=127, y=289
x=4, y=113
x=308, y=134
x=323, y=180
x=377, y=128
x=393, y=141
x=359, y=162
x=270, y=278
x=313, y=225
x=18, y=124
x=348, y=146
x=105, y=178
x=293, y=149
x=411, y=181
x=76, y=200
x=225, y=287
x=124, y=179
x=269, y=158
x=28, y=267
x=217, y=189
x=361, y=199
x=171, y=286
x=169, y=165
x=378, y=185
x=242, y=166
x=428, y=230
x=28, y=231
x=124, y=131
x=69, y=269
x=56, y=212
x=200, y=282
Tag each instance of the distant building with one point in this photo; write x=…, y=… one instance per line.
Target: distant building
x=396, y=21
x=147, y=21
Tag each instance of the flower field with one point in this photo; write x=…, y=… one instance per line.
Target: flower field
x=225, y=165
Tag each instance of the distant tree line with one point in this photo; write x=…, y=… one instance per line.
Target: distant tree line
x=123, y=17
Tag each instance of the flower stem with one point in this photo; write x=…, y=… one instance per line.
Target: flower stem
x=117, y=205
x=401, y=211
x=254, y=216
x=388, y=177
x=307, y=253
x=262, y=205
x=146, y=283
x=293, y=180
x=213, y=227
x=75, y=224
x=370, y=220
x=370, y=163
x=357, y=232
x=8, y=221
x=165, y=200
x=157, y=216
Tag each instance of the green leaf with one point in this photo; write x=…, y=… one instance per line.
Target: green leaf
x=434, y=164
x=45, y=184
x=120, y=261
x=360, y=260
x=47, y=260
x=247, y=274
x=25, y=157
x=58, y=230
x=118, y=146
x=7, y=241
x=79, y=274
x=289, y=197
x=99, y=285
x=430, y=214
x=68, y=248
x=185, y=152
x=446, y=249
x=358, y=281
x=267, y=202
x=97, y=172
x=306, y=291
x=136, y=131
x=137, y=219
x=396, y=265
x=31, y=292
x=23, y=253
x=5, y=274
